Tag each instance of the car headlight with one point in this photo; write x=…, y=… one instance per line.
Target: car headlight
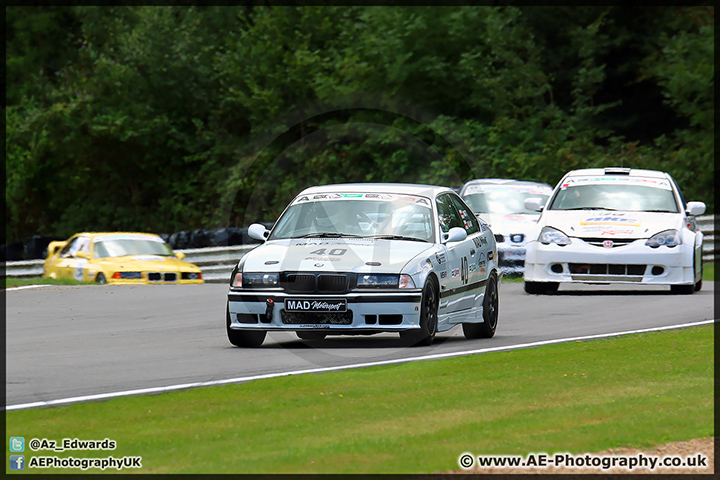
x=669, y=238
x=550, y=235
x=256, y=280
x=384, y=280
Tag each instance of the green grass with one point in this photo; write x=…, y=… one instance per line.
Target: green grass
x=636, y=391
x=512, y=278
x=709, y=271
x=21, y=282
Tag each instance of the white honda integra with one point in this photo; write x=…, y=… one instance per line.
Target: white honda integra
x=367, y=258
x=615, y=225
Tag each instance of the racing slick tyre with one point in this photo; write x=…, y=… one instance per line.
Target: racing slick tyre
x=540, y=288
x=100, y=278
x=428, y=317
x=311, y=335
x=698, y=285
x=688, y=289
x=244, y=338
x=490, y=313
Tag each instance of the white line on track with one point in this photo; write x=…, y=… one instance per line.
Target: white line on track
x=26, y=286
x=170, y=388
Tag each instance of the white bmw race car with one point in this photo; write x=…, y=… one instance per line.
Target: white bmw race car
x=615, y=225
x=367, y=258
x=501, y=204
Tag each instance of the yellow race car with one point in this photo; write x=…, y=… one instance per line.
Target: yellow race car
x=119, y=258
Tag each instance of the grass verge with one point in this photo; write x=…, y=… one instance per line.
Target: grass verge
x=635, y=391
x=21, y=282
x=709, y=271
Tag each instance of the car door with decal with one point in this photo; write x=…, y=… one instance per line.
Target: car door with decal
x=69, y=265
x=65, y=262
x=480, y=254
x=454, y=294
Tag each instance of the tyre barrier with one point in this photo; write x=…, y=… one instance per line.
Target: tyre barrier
x=35, y=247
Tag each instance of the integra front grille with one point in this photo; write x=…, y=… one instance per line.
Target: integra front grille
x=606, y=269
x=603, y=242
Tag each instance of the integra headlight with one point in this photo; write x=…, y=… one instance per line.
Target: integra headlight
x=256, y=280
x=550, y=235
x=668, y=238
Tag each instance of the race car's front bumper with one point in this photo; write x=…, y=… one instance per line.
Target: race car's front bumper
x=369, y=312
x=581, y=262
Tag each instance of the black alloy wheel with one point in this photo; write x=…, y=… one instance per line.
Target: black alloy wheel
x=428, y=317
x=491, y=303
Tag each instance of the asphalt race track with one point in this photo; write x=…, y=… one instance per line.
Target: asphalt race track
x=65, y=342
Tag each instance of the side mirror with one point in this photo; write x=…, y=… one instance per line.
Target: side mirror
x=456, y=234
x=258, y=232
x=534, y=204
x=83, y=255
x=179, y=255
x=695, y=208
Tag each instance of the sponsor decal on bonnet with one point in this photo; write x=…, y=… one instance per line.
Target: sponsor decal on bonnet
x=611, y=220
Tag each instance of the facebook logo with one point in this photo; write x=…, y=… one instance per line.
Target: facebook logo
x=17, y=444
x=17, y=462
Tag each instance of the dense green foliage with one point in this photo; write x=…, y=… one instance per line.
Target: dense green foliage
x=170, y=118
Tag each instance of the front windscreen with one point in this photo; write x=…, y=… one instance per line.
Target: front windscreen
x=357, y=215
x=119, y=247
x=607, y=196
x=502, y=201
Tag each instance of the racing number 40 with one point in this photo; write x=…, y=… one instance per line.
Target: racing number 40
x=335, y=252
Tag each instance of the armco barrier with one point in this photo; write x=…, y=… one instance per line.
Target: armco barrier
x=217, y=263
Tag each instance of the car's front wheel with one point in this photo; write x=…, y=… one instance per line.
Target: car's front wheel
x=490, y=313
x=428, y=317
x=688, y=289
x=698, y=284
x=100, y=278
x=243, y=338
x=682, y=289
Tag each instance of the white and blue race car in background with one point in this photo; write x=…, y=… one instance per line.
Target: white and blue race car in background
x=364, y=259
x=615, y=226
x=500, y=203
